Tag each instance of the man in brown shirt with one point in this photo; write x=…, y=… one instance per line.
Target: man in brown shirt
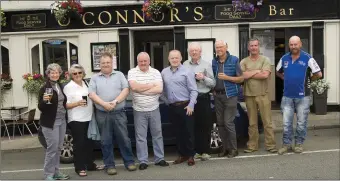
x=256, y=70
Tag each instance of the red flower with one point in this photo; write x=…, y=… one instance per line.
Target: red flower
x=64, y=5
x=80, y=10
x=148, y=15
x=4, y=76
x=36, y=76
x=72, y=5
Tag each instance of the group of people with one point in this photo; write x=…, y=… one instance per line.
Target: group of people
x=185, y=88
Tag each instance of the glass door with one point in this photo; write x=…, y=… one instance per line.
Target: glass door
x=303, y=33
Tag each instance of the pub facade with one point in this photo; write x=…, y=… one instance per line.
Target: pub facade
x=34, y=38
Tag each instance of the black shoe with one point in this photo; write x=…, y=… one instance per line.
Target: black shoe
x=143, y=166
x=223, y=153
x=232, y=153
x=162, y=163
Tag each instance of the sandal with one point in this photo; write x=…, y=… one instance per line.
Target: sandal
x=100, y=167
x=96, y=167
x=82, y=173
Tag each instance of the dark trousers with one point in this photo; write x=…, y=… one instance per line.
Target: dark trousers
x=82, y=146
x=184, y=130
x=203, y=123
x=226, y=110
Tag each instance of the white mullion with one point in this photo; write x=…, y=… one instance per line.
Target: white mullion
x=41, y=58
x=68, y=54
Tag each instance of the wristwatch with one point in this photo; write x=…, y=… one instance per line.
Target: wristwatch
x=116, y=101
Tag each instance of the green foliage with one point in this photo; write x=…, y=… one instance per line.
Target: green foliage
x=3, y=18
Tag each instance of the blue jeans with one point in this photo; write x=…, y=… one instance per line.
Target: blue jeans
x=143, y=120
x=289, y=106
x=113, y=127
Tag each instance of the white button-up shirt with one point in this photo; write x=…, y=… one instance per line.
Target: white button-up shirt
x=74, y=93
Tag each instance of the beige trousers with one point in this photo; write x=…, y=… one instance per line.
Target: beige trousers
x=262, y=103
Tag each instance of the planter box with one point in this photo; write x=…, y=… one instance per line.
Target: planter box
x=320, y=103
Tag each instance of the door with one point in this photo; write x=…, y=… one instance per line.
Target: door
x=304, y=34
x=157, y=43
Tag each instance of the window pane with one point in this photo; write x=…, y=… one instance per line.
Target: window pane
x=35, y=59
x=55, y=51
x=73, y=54
x=267, y=43
x=5, y=60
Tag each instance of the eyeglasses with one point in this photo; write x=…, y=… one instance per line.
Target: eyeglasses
x=77, y=73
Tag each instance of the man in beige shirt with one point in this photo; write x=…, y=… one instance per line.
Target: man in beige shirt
x=256, y=70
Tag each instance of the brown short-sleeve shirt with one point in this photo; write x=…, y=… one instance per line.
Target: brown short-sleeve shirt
x=256, y=87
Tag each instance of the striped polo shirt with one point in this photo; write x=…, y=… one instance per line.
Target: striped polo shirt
x=144, y=102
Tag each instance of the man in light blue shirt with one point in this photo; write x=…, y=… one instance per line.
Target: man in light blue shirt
x=180, y=89
x=108, y=90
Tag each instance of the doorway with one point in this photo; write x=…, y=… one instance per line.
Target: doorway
x=157, y=43
x=274, y=43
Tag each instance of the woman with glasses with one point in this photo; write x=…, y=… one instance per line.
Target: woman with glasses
x=53, y=118
x=80, y=111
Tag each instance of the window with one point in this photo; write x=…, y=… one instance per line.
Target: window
x=55, y=51
x=35, y=59
x=5, y=60
x=50, y=51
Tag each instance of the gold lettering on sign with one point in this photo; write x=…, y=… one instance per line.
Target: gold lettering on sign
x=174, y=15
x=154, y=20
x=68, y=22
x=100, y=18
x=84, y=21
x=29, y=21
x=283, y=11
x=120, y=16
x=272, y=10
x=290, y=11
x=135, y=15
x=198, y=11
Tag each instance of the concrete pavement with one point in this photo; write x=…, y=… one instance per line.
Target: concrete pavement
x=319, y=161
x=331, y=120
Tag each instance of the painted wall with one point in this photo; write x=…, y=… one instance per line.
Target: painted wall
x=332, y=61
x=21, y=63
x=226, y=33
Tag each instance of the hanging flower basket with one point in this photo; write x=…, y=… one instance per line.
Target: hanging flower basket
x=247, y=5
x=35, y=81
x=63, y=10
x=6, y=82
x=155, y=8
x=3, y=18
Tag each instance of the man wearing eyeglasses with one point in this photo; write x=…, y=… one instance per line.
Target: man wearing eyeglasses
x=108, y=90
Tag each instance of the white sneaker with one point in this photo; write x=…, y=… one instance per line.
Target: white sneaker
x=205, y=157
x=197, y=156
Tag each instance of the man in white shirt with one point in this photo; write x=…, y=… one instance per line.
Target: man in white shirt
x=146, y=86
